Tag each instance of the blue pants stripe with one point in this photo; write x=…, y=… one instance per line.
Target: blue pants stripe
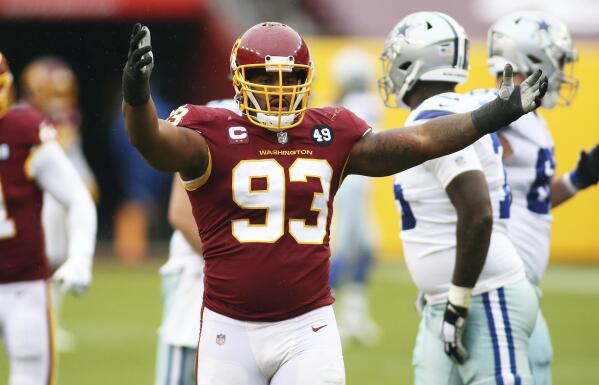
x=510, y=337
x=169, y=364
x=491, y=322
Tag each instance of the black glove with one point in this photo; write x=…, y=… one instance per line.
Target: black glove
x=454, y=322
x=512, y=102
x=137, y=71
x=586, y=172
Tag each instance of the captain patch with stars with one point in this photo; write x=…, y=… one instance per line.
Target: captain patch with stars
x=322, y=135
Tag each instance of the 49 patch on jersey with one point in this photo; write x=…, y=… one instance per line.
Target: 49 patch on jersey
x=322, y=135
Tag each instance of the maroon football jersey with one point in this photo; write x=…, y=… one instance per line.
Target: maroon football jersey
x=22, y=250
x=264, y=211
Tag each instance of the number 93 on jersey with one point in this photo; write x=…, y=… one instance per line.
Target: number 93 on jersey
x=270, y=196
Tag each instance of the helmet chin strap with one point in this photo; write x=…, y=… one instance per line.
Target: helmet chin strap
x=407, y=85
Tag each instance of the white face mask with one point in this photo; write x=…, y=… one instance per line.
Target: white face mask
x=562, y=89
x=550, y=99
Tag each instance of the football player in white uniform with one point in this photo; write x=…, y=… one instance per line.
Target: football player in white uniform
x=533, y=40
x=182, y=288
x=480, y=309
x=353, y=228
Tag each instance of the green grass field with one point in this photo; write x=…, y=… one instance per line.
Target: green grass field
x=116, y=328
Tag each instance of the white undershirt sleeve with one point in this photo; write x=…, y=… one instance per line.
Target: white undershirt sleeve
x=54, y=173
x=449, y=166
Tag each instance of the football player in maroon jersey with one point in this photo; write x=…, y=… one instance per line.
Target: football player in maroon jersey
x=261, y=187
x=50, y=85
x=31, y=163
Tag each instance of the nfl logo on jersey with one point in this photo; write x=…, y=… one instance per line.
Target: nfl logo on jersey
x=220, y=339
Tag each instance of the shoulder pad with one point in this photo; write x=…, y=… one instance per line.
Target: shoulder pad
x=190, y=115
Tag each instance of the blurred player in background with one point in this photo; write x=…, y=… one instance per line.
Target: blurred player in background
x=261, y=186
x=182, y=291
x=50, y=85
x=144, y=192
x=352, y=227
x=531, y=40
x=31, y=164
x=182, y=288
x=480, y=310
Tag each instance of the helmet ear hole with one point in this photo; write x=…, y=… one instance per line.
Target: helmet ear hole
x=534, y=59
x=405, y=66
x=561, y=61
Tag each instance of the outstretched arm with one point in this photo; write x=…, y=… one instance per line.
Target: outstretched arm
x=583, y=176
x=392, y=151
x=165, y=147
x=55, y=174
x=388, y=152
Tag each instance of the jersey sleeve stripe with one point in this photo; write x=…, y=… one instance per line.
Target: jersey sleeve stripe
x=342, y=175
x=194, y=184
x=28, y=161
x=430, y=114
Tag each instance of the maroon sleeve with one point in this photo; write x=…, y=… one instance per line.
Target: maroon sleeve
x=31, y=127
x=191, y=116
x=357, y=125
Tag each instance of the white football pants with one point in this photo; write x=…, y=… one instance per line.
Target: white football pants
x=26, y=331
x=305, y=350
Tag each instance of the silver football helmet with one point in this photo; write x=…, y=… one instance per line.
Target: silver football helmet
x=531, y=40
x=427, y=46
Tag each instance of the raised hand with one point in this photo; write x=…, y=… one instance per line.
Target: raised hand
x=138, y=68
x=586, y=172
x=512, y=103
x=530, y=93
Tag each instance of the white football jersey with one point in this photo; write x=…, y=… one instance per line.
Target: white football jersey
x=229, y=104
x=180, y=326
x=429, y=219
x=181, y=255
x=530, y=170
x=353, y=226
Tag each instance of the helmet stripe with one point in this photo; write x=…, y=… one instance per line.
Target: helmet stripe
x=455, y=40
x=460, y=50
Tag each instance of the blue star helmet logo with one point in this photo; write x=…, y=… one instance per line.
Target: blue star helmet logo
x=543, y=26
x=401, y=30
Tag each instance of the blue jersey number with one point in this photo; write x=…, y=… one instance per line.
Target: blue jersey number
x=408, y=221
x=539, y=196
x=506, y=202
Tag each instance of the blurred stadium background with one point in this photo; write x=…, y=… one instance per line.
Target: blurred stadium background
x=116, y=323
